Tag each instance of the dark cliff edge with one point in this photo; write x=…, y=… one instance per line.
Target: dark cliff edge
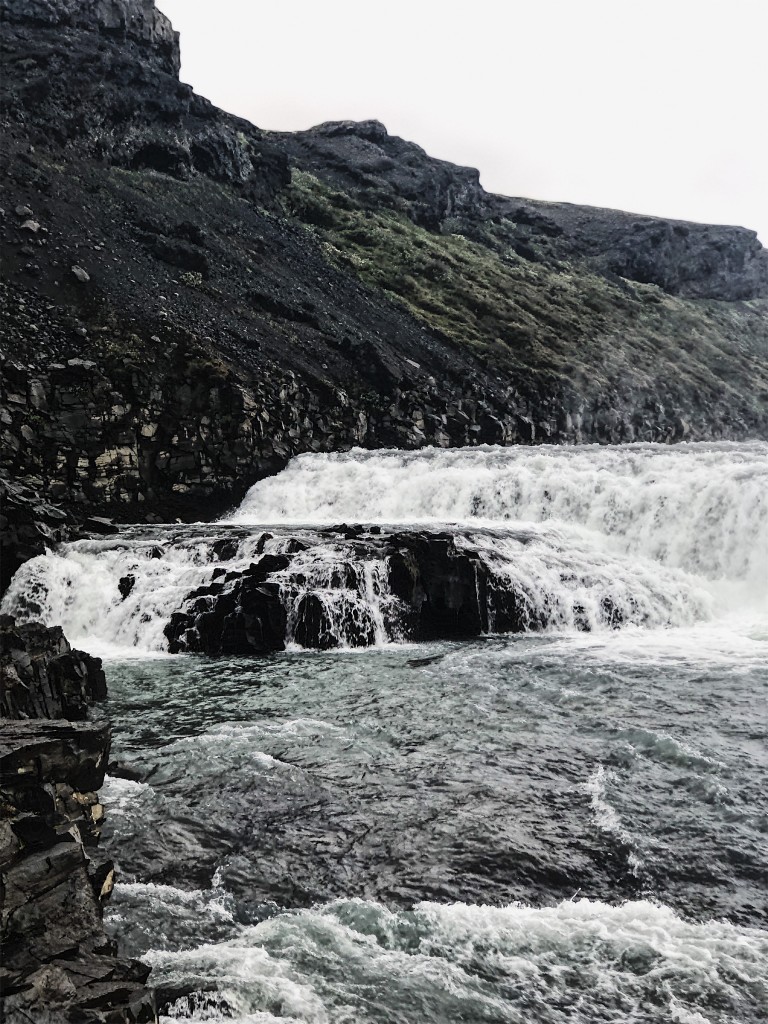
x=57, y=963
x=188, y=301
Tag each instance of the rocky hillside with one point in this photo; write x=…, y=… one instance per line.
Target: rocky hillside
x=188, y=300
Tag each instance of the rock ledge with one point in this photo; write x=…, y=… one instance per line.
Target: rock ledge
x=58, y=964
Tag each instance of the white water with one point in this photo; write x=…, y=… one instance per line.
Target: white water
x=668, y=536
x=701, y=507
x=327, y=965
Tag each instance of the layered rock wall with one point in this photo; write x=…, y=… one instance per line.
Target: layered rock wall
x=162, y=442
x=57, y=963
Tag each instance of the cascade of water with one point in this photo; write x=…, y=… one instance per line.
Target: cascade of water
x=584, y=538
x=351, y=598
x=699, y=507
x=121, y=591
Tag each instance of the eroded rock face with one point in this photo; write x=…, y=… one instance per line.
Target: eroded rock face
x=28, y=525
x=44, y=678
x=700, y=261
x=363, y=158
x=682, y=258
x=137, y=20
x=54, y=746
x=351, y=587
x=117, y=97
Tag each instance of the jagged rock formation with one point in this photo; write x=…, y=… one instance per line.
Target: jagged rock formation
x=28, y=525
x=431, y=587
x=695, y=260
x=136, y=20
x=100, y=77
x=189, y=301
x=57, y=963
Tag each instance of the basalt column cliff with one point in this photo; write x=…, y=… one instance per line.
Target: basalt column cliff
x=188, y=300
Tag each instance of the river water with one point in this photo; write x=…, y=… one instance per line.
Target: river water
x=561, y=825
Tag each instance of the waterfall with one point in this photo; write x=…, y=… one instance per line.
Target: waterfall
x=699, y=507
x=589, y=538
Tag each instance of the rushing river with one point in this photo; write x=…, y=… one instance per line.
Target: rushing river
x=557, y=826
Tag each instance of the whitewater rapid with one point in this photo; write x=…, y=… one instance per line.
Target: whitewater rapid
x=562, y=825
x=700, y=507
x=497, y=831
x=669, y=536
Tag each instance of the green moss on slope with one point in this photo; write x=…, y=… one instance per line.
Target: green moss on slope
x=552, y=320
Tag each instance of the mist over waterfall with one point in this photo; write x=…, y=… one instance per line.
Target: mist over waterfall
x=566, y=539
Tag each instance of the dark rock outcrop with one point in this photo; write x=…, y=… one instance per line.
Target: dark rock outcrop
x=57, y=963
x=136, y=20
x=123, y=102
x=28, y=525
x=682, y=258
x=362, y=158
x=242, y=615
x=434, y=587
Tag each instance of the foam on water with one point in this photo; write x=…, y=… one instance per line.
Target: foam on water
x=703, y=507
x=579, y=961
x=607, y=818
x=78, y=587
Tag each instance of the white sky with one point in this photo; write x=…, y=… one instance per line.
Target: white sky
x=653, y=106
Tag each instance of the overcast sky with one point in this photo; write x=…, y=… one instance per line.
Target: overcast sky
x=653, y=106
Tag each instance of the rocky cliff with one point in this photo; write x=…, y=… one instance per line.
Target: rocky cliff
x=57, y=963
x=189, y=300
x=695, y=260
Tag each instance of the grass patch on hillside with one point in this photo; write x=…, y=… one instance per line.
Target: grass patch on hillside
x=559, y=321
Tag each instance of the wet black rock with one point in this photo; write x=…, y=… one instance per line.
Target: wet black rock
x=433, y=586
x=452, y=591
x=28, y=525
x=58, y=964
x=243, y=616
x=98, y=524
x=319, y=629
